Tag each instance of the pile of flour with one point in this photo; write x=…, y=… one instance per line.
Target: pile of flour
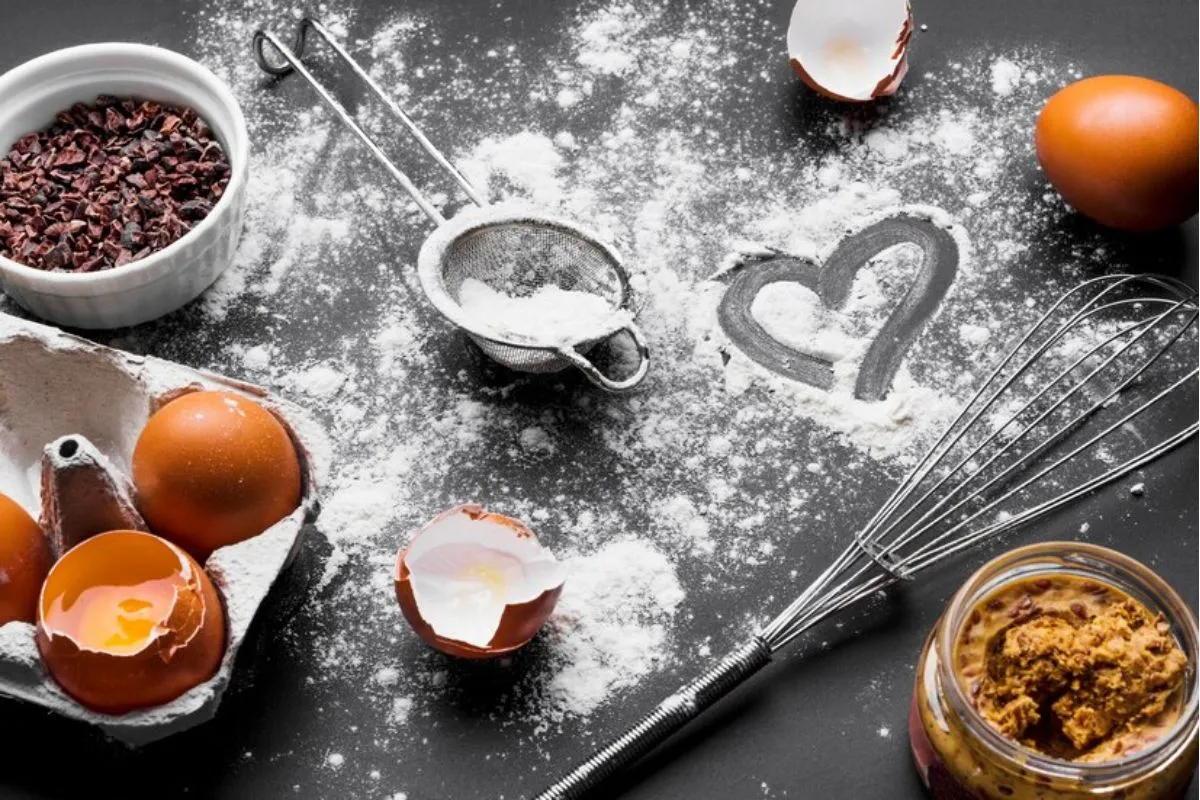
x=551, y=315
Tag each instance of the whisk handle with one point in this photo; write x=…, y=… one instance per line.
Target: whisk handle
x=660, y=724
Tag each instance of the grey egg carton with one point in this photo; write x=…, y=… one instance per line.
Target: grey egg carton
x=53, y=384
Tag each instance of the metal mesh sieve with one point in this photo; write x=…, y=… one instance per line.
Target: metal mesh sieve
x=523, y=257
x=515, y=254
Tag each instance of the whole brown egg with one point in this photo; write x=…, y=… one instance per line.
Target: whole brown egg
x=24, y=561
x=1122, y=150
x=214, y=468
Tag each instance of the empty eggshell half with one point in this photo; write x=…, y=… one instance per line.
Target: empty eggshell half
x=852, y=51
x=475, y=584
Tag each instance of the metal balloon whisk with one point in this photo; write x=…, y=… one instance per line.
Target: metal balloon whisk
x=1102, y=384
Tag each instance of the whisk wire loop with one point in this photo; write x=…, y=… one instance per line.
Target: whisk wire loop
x=928, y=519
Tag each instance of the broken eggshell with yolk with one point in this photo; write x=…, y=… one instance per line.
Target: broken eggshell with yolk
x=127, y=620
x=851, y=51
x=475, y=584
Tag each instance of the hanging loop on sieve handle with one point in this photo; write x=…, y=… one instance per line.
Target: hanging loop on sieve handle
x=292, y=63
x=593, y=373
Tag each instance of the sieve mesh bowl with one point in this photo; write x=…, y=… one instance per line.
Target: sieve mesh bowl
x=518, y=255
x=521, y=258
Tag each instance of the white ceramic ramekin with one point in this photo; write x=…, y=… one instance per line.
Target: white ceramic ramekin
x=30, y=96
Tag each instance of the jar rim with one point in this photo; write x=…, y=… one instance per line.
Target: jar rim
x=1007, y=568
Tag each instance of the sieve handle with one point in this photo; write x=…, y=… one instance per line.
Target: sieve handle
x=293, y=64
x=593, y=373
x=666, y=719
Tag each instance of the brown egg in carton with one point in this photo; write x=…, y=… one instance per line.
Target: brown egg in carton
x=70, y=415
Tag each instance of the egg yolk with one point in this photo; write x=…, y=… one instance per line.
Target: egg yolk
x=489, y=577
x=117, y=619
x=845, y=60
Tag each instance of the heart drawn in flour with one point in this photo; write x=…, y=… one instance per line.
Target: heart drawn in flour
x=832, y=283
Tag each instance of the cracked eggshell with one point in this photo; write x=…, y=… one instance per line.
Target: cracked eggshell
x=186, y=633
x=852, y=51
x=53, y=384
x=474, y=584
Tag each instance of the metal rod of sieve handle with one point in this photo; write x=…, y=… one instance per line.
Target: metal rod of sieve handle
x=293, y=56
x=593, y=373
x=660, y=724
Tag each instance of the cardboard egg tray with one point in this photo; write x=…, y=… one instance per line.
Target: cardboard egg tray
x=53, y=384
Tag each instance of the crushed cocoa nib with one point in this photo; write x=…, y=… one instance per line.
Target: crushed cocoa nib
x=107, y=184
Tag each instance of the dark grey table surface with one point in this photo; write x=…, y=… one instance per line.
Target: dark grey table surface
x=785, y=729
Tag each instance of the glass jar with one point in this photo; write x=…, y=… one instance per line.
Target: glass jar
x=960, y=755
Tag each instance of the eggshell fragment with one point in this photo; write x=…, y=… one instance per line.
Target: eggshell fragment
x=127, y=620
x=24, y=560
x=851, y=51
x=475, y=584
x=83, y=494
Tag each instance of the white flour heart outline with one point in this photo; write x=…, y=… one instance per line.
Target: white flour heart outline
x=936, y=274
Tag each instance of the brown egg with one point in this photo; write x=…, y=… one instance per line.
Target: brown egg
x=1122, y=150
x=24, y=561
x=127, y=620
x=474, y=584
x=214, y=468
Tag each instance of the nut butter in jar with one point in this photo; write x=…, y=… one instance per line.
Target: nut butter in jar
x=1059, y=670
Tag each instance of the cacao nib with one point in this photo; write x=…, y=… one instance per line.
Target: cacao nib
x=107, y=184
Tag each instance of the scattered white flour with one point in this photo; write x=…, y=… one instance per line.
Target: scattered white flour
x=322, y=381
x=974, y=335
x=607, y=42
x=257, y=358
x=387, y=676
x=551, y=315
x=1006, y=75
x=685, y=525
x=537, y=441
x=567, y=98
x=884, y=732
x=526, y=162
x=335, y=760
x=796, y=316
x=401, y=708
x=611, y=626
